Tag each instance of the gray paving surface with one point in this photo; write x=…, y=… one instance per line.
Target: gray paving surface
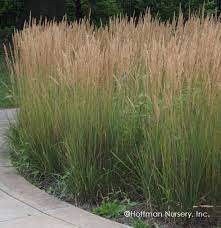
x=24, y=206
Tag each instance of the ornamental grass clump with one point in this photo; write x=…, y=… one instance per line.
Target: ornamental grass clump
x=128, y=106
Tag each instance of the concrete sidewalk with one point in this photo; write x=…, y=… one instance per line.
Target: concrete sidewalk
x=24, y=206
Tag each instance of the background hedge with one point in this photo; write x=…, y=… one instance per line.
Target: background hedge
x=14, y=12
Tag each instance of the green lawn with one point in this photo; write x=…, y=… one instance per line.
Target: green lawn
x=5, y=98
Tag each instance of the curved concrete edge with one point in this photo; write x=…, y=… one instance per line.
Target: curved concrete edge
x=22, y=205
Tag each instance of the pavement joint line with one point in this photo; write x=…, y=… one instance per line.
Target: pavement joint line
x=23, y=217
x=20, y=217
x=27, y=204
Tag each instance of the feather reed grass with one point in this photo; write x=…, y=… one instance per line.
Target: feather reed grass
x=129, y=106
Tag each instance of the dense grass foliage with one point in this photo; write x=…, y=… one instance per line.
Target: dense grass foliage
x=130, y=107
